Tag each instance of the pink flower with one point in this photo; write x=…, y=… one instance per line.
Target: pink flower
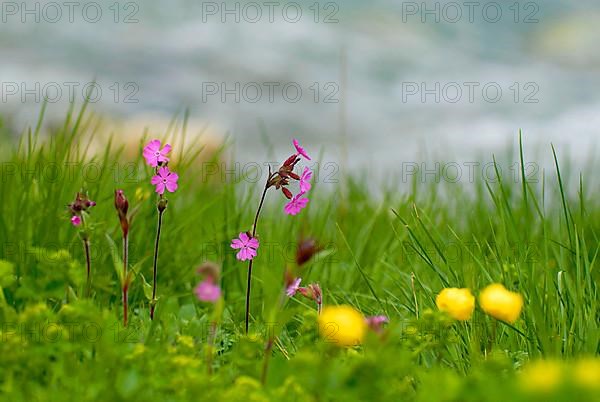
x=300, y=150
x=207, y=291
x=247, y=246
x=76, y=220
x=154, y=155
x=376, y=322
x=295, y=205
x=165, y=179
x=305, y=180
x=293, y=287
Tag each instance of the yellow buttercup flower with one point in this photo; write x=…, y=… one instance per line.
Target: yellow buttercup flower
x=458, y=303
x=342, y=325
x=542, y=376
x=586, y=373
x=501, y=303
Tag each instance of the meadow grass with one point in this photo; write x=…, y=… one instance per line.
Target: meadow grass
x=388, y=253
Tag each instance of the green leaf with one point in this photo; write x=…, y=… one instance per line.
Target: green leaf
x=147, y=288
x=117, y=261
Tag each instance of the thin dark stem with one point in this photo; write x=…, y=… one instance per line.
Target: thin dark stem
x=248, y=285
x=155, y=272
x=248, y=295
x=88, y=263
x=125, y=277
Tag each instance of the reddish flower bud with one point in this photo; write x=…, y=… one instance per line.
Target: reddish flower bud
x=122, y=206
x=291, y=160
x=209, y=270
x=294, y=176
x=81, y=203
x=307, y=248
x=313, y=292
x=287, y=193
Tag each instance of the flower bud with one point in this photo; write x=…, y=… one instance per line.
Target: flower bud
x=307, y=248
x=122, y=206
x=313, y=292
x=162, y=204
x=288, y=194
x=209, y=270
x=291, y=160
x=81, y=203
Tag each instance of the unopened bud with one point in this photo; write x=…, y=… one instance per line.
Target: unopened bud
x=162, y=204
x=307, y=248
x=287, y=193
x=122, y=206
x=209, y=270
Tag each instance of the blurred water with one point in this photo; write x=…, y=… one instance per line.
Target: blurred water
x=365, y=64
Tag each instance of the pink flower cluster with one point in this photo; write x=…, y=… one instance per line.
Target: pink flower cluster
x=158, y=159
x=81, y=204
x=298, y=201
x=246, y=243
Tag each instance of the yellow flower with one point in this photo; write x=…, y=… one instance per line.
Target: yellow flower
x=458, y=303
x=500, y=303
x=342, y=325
x=542, y=376
x=586, y=373
x=186, y=341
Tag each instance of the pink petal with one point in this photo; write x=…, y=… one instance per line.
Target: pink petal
x=166, y=149
x=236, y=243
x=250, y=253
x=305, y=186
x=148, y=153
x=171, y=185
x=289, y=208
x=163, y=172
x=153, y=146
x=293, y=288
x=151, y=160
x=207, y=291
x=244, y=238
x=155, y=180
x=241, y=255
x=160, y=188
x=299, y=149
x=252, y=243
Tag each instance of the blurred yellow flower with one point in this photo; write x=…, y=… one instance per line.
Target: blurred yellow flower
x=586, y=373
x=458, y=303
x=501, y=303
x=542, y=376
x=342, y=325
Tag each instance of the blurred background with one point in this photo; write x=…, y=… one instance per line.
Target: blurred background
x=370, y=84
